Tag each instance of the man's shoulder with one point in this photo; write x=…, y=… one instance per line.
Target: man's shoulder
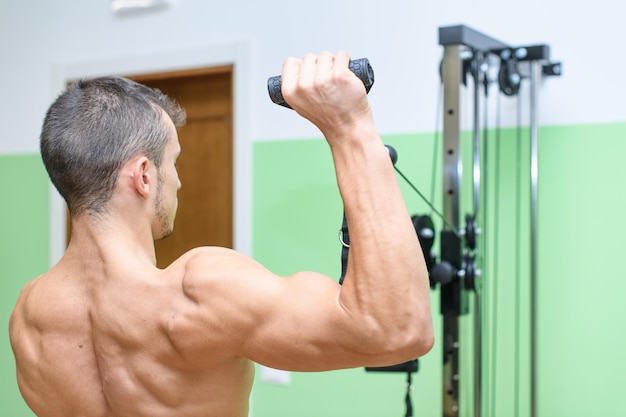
x=209, y=259
x=203, y=264
x=206, y=259
x=29, y=290
x=215, y=267
x=48, y=302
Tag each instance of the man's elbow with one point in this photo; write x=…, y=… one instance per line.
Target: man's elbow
x=407, y=343
x=424, y=341
x=420, y=339
x=409, y=346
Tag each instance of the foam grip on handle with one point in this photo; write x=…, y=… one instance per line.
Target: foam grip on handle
x=360, y=67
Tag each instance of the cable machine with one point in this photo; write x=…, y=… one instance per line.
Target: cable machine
x=468, y=52
x=456, y=272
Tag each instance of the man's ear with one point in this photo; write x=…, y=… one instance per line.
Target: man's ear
x=141, y=177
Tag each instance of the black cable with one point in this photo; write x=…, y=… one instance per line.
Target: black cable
x=434, y=210
x=408, y=403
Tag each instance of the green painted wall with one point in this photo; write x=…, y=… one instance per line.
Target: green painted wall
x=583, y=283
x=297, y=213
x=23, y=254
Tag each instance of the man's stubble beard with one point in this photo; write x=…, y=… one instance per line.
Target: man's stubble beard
x=164, y=229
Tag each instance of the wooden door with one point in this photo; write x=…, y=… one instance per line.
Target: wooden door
x=205, y=166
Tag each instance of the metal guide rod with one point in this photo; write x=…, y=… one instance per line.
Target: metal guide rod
x=477, y=354
x=476, y=138
x=451, y=74
x=536, y=68
x=476, y=175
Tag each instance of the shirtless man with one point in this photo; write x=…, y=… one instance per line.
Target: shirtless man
x=105, y=333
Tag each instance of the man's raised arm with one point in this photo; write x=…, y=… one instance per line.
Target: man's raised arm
x=386, y=284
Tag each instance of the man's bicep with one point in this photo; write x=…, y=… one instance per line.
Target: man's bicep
x=303, y=326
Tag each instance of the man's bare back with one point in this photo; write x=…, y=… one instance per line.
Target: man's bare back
x=103, y=343
x=105, y=333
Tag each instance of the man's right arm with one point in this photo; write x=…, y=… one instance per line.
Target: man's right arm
x=386, y=278
x=381, y=315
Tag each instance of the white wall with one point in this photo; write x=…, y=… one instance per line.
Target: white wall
x=398, y=36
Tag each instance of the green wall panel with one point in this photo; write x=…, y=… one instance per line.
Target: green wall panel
x=23, y=254
x=582, y=282
x=297, y=213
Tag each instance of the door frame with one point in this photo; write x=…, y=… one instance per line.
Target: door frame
x=236, y=54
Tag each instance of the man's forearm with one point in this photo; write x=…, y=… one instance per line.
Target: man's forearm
x=386, y=279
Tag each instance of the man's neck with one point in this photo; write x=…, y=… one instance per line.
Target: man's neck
x=107, y=238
